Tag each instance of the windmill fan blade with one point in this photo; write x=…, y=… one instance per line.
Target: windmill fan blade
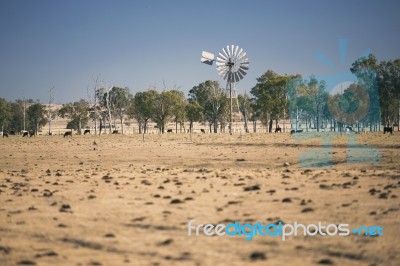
x=222, y=68
x=243, y=57
x=226, y=74
x=241, y=71
x=240, y=53
x=222, y=57
x=240, y=74
x=221, y=63
x=222, y=72
x=236, y=51
x=229, y=51
x=225, y=53
x=237, y=77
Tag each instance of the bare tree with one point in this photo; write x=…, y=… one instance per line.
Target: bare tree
x=51, y=114
x=93, y=101
x=107, y=101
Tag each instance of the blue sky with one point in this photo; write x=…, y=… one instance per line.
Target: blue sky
x=138, y=44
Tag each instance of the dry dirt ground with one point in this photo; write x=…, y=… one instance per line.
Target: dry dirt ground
x=125, y=201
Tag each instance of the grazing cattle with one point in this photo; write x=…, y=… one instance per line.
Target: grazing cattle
x=388, y=130
x=68, y=133
x=5, y=135
x=296, y=131
x=203, y=131
x=169, y=131
x=87, y=131
x=25, y=134
x=278, y=129
x=115, y=132
x=31, y=134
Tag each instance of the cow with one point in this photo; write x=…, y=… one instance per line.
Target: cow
x=278, y=129
x=296, y=131
x=203, y=131
x=388, y=130
x=28, y=134
x=68, y=133
x=87, y=131
x=12, y=132
x=169, y=131
x=5, y=135
x=115, y=132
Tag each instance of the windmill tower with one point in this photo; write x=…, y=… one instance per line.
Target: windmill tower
x=232, y=65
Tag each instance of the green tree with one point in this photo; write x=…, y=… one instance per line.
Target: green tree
x=16, y=122
x=120, y=100
x=213, y=101
x=99, y=109
x=143, y=108
x=366, y=69
x=163, y=108
x=5, y=114
x=271, y=99
x=246, y=109
x=316, y=91
x=36, y=115
x=178, y=111
x=388, y=79
x=77, y=112
x=194, y=113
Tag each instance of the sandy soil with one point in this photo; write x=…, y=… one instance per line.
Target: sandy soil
x=126, y=201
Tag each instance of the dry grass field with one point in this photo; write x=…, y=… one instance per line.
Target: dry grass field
x=125, y=201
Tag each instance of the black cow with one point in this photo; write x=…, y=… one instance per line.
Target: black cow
x=5, y=135
x=203, y=131
x=388, y=130
x=278, y=129
x=68, y=133
x=115, y=132
x=87, y=131
x=296, y=131
x=169, y=131
x=28, y=134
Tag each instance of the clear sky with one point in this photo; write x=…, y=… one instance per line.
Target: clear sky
x=138, y=44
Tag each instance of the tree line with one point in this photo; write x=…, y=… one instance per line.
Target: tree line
x=372, y=101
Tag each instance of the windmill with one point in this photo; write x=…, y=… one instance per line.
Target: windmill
x=232, y=65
